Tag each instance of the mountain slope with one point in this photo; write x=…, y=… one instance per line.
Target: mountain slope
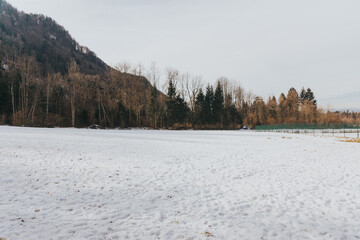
x=42, y=38
x=48, y=79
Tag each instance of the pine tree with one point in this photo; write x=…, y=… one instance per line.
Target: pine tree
x=302, y=95
x=309, y=96
x=181, y=109
x=309, y=108
x=218, y=106
x=208, y=105
x=171, y=103
x=177, y=108
x=200, y=117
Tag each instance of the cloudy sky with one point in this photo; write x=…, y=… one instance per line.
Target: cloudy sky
x=266, y=46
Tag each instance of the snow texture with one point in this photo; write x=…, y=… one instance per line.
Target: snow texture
x=137, y=184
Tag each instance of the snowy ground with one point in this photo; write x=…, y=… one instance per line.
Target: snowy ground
x=110, y=184
x=345, y=133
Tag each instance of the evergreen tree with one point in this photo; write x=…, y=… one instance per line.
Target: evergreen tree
x=200, y=117
x=171, y=103
x=309, y=96
x=181, y=109
x=309, y=108
x=218, y=105
x=302, y=95
x=208, y=105
x=177, y=108
x=171, y=90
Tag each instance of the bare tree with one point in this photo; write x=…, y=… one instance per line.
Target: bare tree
x=173, y=76
x=226, y=87
x=182, y=81
x=35, y=85
x=138, y=70
x=124, y=67
x=193, y=86
x=154, y=74
x=73, y=77
x=239, y=93
x=250, y=98
x=153, y=107
x=13, y=99
x=48, y=81
x=29, y=74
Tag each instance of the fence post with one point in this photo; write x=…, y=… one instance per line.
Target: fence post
x=344, y=129
x=314, y=129
x=357, y=129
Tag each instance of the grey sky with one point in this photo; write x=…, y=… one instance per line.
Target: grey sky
x=266, y=46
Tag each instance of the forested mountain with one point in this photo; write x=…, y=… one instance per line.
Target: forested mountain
x=41, y=37
x=48, y=79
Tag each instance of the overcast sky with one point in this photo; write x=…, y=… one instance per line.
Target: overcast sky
x=266, y=46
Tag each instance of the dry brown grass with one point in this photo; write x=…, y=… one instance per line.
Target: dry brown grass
x=352, y=140
x=208, y=234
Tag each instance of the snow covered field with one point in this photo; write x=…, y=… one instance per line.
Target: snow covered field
x=111, y=184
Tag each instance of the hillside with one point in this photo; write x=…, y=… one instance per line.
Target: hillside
x=48, y=79
x=42, y=38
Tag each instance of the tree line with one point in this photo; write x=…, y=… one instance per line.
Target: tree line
x=129, y=96
x=228, y=106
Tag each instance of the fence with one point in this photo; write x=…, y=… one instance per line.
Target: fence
x=336, y=129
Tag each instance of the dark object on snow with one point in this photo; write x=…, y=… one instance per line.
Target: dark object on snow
x=94, y=126
x=246, y=128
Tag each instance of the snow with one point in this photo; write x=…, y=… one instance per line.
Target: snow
x=52, y=36
x=143, y=184
x=345, y=133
